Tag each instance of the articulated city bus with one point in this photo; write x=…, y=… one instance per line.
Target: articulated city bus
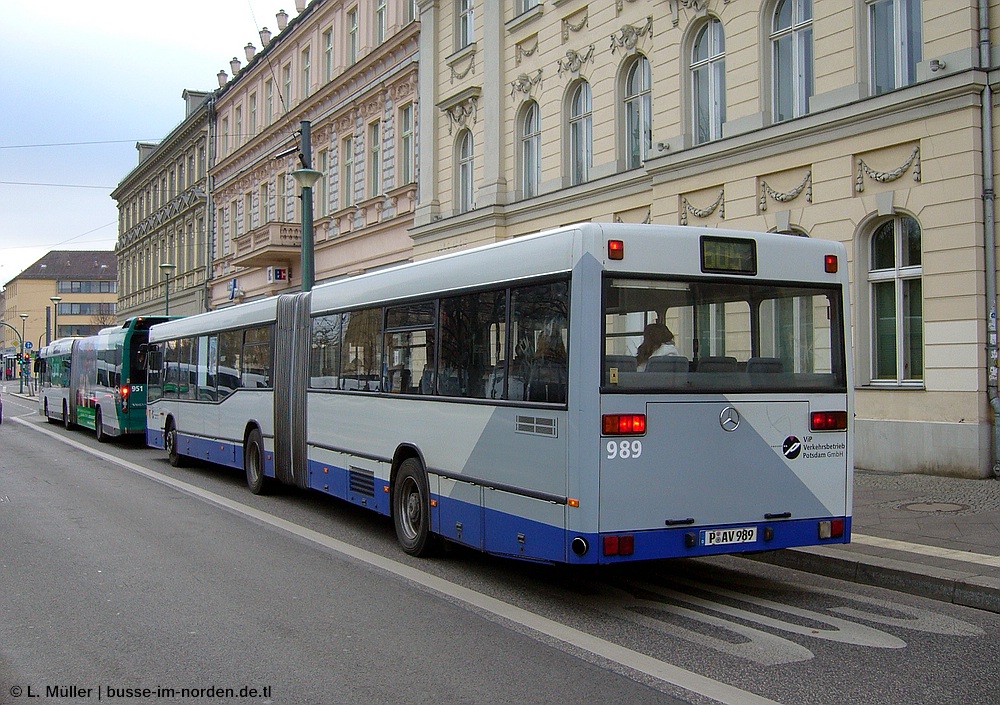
x=593, y=394
x=99, y=381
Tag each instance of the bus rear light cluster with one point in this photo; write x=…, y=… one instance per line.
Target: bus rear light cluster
x=619, y=545
x=828, y=421
x=123, y=396
x=623, y=424
x=831, y=264
x=616, y=249
x=832, y=529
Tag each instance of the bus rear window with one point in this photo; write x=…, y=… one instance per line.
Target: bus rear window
x=710, y=335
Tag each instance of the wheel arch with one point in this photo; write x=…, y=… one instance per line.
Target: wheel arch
x=404, y=452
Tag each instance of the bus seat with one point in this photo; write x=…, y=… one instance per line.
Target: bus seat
x=717, y=364
x=667, y=363
x=764, y=365
x=624, y=363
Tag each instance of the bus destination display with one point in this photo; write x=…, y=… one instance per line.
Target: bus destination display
x=728, y=255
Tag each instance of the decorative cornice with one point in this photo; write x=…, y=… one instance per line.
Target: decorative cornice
x=699, y=6
x=628, y=36
x=884, y=177
x=457, y=75
x=720, y=204
x=766, y=191
x=525, y=83
x=192, y=197
x=460, y=107
x=574, y=60
x=568, y=26
x=520, y=51
x=620, y=6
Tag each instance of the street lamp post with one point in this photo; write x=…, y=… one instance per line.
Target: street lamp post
x=55, y=316
x=306, y=177
x=167, y=268
x=24, y=318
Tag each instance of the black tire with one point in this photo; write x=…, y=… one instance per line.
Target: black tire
x=170, y=443
x=102, y=437
x=47, y=416
x=411, y=509
x=253, y=462
x=65, y=417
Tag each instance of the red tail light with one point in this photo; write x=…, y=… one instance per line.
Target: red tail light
x=831, y=264
x=828, y=421
x=624, y=424
x=616, y=249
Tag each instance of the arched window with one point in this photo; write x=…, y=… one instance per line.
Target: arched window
x=465, y=163
x=896, y=301
x=708, y=82
x=638, y=113
x=792, y=58
x=531, y=150
x=581, y=137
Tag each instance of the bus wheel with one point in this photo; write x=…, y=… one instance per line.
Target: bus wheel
x=411, y=509
x=170, y=442
x=47, y=417
x=65, y=417
x=253, y=461
x=102, y=437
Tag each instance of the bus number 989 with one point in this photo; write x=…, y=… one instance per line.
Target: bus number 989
x=624, y=449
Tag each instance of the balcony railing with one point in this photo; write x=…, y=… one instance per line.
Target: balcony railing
x=270, y=244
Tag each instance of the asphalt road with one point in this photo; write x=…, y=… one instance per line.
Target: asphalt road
x=123, y=579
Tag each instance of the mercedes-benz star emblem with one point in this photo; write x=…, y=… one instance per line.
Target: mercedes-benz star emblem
x=729, y=419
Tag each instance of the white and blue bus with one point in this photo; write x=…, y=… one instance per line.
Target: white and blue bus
x=505, y=398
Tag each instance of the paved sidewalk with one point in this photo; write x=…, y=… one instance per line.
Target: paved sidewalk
x=938, y=537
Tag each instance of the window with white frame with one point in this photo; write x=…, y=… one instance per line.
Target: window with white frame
x=323, y=185
x=352, y=37
x=374, y=159
x=465, y=28
x=238, y=126
x=253, y=117
x=407, y=143
x=522, y=6
x=306, y=67
x=286, y=75
x=269, y=102
x=894, y=43
x=792, y=58
x=708, y=82
x=412, y=11
x=581, y=135
x=531, y=149
x=464, y=173
x=638, y=112
x=381, y=23
x=347, y=171
x=328, y=55
x=895, y=295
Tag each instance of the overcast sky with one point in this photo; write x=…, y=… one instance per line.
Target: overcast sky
x=81, y=81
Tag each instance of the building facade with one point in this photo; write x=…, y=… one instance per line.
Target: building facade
x=349, y=69
x=860, y=121
x=163, y=245
x=65, y=293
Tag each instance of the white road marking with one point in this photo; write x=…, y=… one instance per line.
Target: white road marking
x=668, y=673
x=923, y=550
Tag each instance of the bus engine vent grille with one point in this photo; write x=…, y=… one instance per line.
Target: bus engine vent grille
x=361, y=481
x=537, y=425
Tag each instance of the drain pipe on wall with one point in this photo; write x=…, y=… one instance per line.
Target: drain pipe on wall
x=989, y=223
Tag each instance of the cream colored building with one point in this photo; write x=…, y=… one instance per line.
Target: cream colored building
x=65, y=293
x=350, y=70
x=859, y=121
x=163, y=220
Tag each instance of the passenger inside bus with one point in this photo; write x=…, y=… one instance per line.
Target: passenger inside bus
x=657, y=342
